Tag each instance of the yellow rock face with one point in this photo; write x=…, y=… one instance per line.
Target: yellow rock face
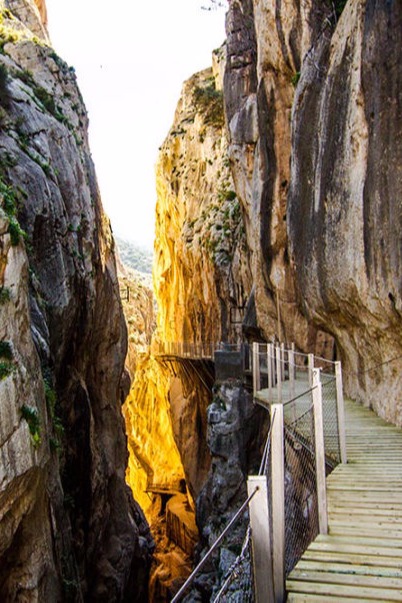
x=154, y=462
x=200, y=275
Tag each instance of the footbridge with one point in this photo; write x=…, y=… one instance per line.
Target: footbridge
x=325, y=510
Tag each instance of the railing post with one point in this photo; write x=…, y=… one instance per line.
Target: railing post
x=341, y=412
x=278, y=373
x=319, y=453
x=278, y=501
x=283, y=361
x=292, y=389
x=269, y=366
x=291, y=362
x=261, y=539
x=310, y=369
x=256, y=368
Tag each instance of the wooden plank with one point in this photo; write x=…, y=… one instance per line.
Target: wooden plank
x=344, y=568
x=396, y=542
x=278, y=501
x=261, y=540
x=295, y=597
x=359, y=549
x=319, y=453
x=331, y=577
x=359, y=559
x=357, y=531
x=344, y=591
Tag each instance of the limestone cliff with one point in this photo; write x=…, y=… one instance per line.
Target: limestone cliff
x=69, y=527
x=346, y=182
x=265, y=45
x=311, y=96
x=201, y=274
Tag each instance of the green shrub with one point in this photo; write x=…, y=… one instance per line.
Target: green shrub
x=4, y=92
x=15, y=231
x=6, y=368
x=339, y=6
x=31, y=416
x=6, y=350
x=5, y=295
x=209, y=102
x=295, y=78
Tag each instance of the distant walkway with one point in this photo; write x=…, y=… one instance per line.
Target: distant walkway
x=361, y=558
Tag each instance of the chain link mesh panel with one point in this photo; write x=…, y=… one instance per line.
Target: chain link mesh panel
x=301, y=511
x=238, y=584
x=330, y=420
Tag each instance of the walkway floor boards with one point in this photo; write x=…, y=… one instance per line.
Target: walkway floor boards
x=360, y=560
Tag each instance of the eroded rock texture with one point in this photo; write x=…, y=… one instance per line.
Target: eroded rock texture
x=236, y=428
x=202, y=278
x=265, y=45
x=69, y=527
x=344, y=205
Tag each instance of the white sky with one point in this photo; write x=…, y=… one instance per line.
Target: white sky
x=131, y=58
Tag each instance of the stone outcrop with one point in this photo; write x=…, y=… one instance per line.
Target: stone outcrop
x=346, y=183
x=69, y=527
x=236, y=430
x=201, y=274
x=265, y=46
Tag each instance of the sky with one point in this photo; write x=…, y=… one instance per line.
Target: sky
x=131, y=58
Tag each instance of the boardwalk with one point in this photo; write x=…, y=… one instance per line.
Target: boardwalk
x=361, y=558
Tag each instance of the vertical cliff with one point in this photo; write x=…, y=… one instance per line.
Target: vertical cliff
x=201, y=274
x=265, y=45
x=346, y=183
x=69, y=527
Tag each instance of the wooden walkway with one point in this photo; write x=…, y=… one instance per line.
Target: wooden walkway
x=361, y=558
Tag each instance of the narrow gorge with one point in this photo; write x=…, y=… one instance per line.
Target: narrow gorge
x=125, y=441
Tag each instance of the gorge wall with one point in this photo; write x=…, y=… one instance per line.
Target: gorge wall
x=306, y=153
x=69, y=527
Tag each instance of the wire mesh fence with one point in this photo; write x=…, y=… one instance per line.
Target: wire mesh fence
x=301, y=513
x=331, y=421
x=237, y=583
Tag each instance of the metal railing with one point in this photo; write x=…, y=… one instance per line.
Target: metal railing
x=287, y=500
x=304, y=395
x=189, y=349
x=283, y=375
x=190, y=580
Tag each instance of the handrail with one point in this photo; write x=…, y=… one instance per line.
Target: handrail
x=217, y=542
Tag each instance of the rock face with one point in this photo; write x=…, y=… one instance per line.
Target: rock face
x=202, y=278
x=235, y=434
x=265, y=45
x=69, y=527
x=346, y=183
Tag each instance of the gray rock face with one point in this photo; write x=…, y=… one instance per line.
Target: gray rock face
x=235, y=435
x=69, y=528
x=344, y=212
x=265, y=44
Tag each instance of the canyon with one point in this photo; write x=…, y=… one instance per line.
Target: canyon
x=278, y=218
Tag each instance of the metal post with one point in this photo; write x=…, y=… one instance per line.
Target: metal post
x=291, y=361
x=319, y=453
x=256, y=368
x=269, y=366
x=278, y=501
x=310, y=369
x=278, y=373
x=261, y=540
x=283, y=361
x=292, y=347
x=341, y=412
